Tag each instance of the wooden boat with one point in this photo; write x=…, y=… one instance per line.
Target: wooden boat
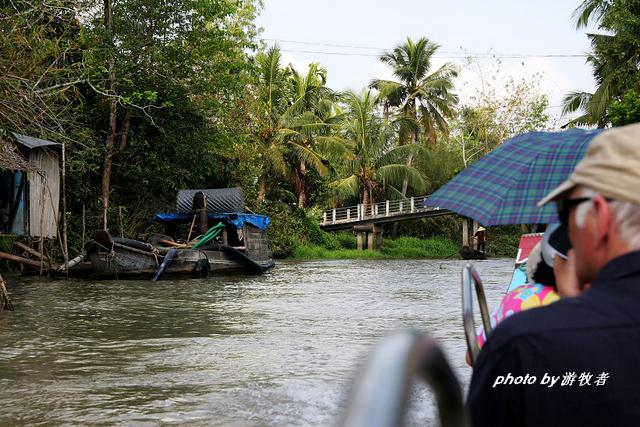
x=126, y=258
x=467, y=253
x=229, y=242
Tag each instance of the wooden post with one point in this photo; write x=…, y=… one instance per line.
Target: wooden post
x=474, y=228
x=65, y=244
x=120, y=221
x=465, y=232
x=42, y=228
x=203, y=221
x=333, y=216
x=360, y=239
x=225, y=237
x=387, y=209
x=4, y=296
x=83, y=226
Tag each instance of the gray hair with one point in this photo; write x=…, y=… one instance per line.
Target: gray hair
x=625, y=215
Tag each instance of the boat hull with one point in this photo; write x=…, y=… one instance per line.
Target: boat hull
x=124, y=262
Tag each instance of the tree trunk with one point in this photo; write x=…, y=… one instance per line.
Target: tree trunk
x=413, y=137
x=365, y=201
x=124, y=135
x=262, y=188
x=111, y=132
x=302, y=196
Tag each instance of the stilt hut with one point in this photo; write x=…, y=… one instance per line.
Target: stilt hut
x=29, y=186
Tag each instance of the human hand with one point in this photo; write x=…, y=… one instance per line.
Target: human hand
x=566, y=278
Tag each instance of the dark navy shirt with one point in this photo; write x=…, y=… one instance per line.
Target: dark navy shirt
x=593, y=339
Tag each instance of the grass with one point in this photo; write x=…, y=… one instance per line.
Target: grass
x=403, y=247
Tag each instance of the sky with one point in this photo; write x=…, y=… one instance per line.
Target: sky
x=522, y=27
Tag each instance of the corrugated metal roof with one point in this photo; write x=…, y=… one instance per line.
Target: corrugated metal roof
x=219, y=200
x=31, y=142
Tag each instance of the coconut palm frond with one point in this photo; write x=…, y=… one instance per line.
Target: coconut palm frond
x=310, y=157
x=395, y=175
x=346, y=187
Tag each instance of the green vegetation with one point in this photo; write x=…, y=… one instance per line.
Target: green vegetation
x=153, y=96
x=403, y=247
x=614, y=59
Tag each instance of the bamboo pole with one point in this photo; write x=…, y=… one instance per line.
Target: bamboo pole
x=4, y=296
x=21, y=260
x=83, y=226
x=191, y=228
x=31, y=251
x=120, y=221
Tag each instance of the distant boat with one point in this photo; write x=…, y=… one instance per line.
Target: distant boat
x=467, y=253
x=231, y=243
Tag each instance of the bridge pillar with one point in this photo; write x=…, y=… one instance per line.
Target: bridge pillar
x=371, y=233
x=465, y=232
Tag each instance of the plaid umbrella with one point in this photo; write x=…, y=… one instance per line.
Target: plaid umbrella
x=504, y=186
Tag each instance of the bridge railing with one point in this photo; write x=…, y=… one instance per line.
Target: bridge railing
x=384, y=209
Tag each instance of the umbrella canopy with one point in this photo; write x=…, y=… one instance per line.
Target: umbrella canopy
x=504, y=186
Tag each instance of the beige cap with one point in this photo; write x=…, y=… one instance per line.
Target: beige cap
x=611, y=167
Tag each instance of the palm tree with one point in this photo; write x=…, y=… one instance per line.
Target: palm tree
x=589, y=11
x=374, y=165
x=307, y=125
x=274, y=91
x=420, y=95
x=594, y=106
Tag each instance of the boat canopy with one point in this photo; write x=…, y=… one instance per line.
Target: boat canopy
x=237, y=219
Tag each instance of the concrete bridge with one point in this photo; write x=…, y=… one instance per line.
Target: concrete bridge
x=367, y=221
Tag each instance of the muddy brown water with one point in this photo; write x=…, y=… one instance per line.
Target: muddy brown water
x=278, y=349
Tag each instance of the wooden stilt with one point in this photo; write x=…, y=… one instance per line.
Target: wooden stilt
x=120, y=221
x=4, y=296
x=83, y=225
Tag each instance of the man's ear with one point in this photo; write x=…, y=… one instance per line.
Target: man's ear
x=602, y=217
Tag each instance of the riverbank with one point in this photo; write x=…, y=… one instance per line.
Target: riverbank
x=401, y=248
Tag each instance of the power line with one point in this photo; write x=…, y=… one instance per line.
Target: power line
x=456, y=54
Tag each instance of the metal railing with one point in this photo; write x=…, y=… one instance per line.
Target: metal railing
x=470, y=277
x=384, y=209
x=381, y=394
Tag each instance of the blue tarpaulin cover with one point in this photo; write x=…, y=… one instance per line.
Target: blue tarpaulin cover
x=237, y=219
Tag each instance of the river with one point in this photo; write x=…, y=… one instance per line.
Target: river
x=278, y=349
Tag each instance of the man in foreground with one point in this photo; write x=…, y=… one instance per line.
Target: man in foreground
x=576, y=362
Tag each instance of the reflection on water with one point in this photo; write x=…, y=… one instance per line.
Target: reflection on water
x=279, y=349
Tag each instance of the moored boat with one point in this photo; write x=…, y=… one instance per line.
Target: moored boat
x=228, y=243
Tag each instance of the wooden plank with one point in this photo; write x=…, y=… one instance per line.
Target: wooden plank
x=44, y=185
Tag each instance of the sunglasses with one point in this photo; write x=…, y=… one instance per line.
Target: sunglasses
x=565, y=206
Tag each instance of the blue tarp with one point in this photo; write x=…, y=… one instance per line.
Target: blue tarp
x=237, y=219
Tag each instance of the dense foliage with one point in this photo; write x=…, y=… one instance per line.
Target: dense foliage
x=153, y=96
x=615, y=59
